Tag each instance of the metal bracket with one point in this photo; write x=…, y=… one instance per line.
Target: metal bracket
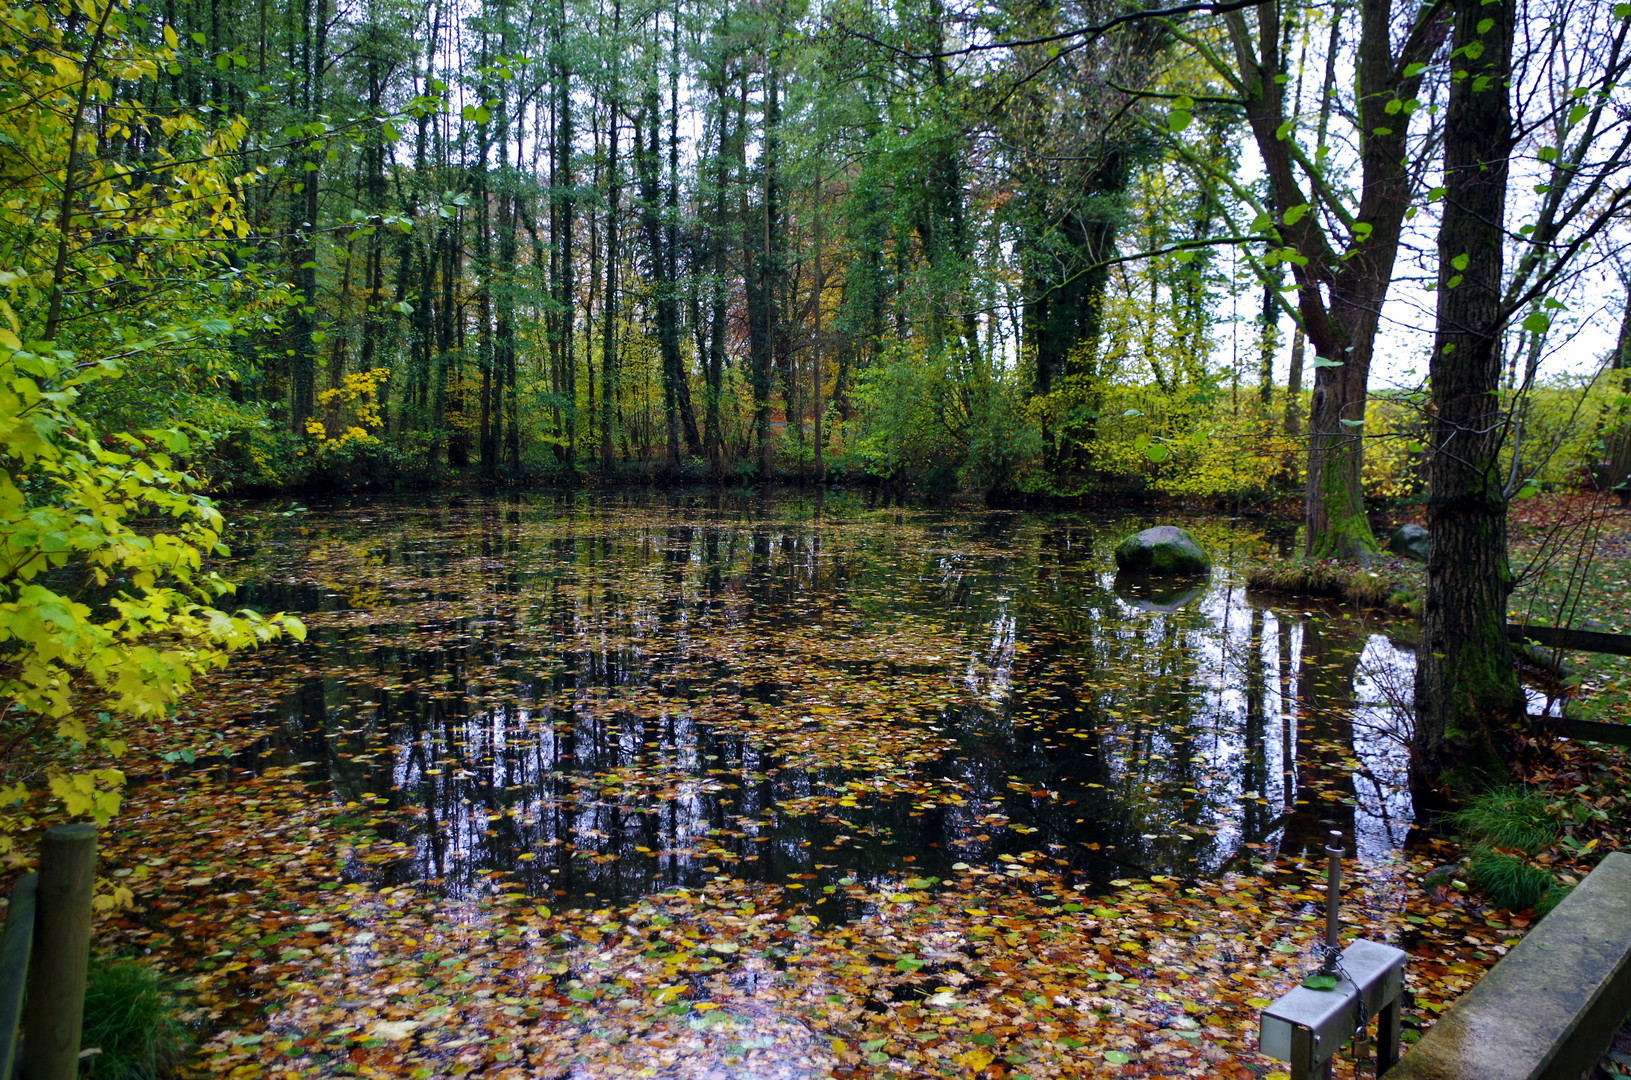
x=1305, y=1028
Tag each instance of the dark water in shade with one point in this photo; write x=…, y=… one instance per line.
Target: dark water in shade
x=591, y=698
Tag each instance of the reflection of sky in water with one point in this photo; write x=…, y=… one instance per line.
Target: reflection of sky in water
x=1252, y=686
x=1381, y=734
x=600, y=705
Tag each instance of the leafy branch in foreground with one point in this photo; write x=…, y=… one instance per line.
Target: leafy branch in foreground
x=107, y=610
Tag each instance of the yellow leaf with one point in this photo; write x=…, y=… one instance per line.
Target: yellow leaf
x=975, y=1059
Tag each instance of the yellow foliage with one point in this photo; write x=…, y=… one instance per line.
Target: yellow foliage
x=100, y=620
x=349, y=413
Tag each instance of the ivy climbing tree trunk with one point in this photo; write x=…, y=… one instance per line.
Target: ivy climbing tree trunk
x=1467, y=694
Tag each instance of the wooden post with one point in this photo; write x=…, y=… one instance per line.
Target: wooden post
x=62, y=951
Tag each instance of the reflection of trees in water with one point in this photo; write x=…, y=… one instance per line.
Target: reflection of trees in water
x=1327, y=662
x=595, y=688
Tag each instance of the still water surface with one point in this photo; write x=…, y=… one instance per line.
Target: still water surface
x=595, y=697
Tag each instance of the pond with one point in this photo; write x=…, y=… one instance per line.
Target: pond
x=593, y=698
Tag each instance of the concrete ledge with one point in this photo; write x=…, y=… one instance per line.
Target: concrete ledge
x=1549, y=1008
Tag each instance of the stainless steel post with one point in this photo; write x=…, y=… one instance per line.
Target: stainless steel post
x=1333, y=891
x=1333, y=919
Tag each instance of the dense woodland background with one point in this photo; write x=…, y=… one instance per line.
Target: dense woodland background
x=979, y=246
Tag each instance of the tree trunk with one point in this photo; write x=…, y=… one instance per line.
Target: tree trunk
x=1467, y=693
x=1342, y=329
x=646, y=163
x=608, y=330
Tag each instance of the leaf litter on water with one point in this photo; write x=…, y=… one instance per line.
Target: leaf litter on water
x=631, y=790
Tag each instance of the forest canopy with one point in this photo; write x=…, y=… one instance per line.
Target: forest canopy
x=1051, y=251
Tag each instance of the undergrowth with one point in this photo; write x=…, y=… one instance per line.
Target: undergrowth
x=131, y=1023
x=1506, y=828
x=1390, y=585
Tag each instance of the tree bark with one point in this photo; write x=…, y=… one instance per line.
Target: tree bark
x=1467, y=693
x=614, y=198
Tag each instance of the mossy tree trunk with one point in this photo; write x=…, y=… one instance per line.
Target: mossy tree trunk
x=1467, y=694
x=1335, y=525
x=1342, y=280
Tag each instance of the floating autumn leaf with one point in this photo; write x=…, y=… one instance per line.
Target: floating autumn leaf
x=394, y=1029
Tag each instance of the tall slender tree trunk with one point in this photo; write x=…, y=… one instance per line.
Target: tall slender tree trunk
x=682, y=382
x=614, y=198
x=647, y=130
x=567, y=297
x=1467, y=694
x=303, y=226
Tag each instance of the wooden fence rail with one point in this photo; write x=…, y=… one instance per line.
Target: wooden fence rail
x=1558, y=637
x=44, y=955
x=15, y=947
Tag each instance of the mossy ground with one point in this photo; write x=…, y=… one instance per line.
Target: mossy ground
x=1390, y=584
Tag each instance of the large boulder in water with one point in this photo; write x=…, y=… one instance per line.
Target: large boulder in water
x=1165, y=549
x=1411, y=541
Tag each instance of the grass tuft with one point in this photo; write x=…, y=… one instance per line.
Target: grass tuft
x=130, y=1017
x=1507, y=880
x=1506, y=827
x=1554, y=896
x=1391, y=586
x=1508, y=817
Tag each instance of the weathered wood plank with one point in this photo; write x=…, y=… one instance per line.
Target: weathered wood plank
x=1593, y=731
x=1549, y=1008
x=15, y=947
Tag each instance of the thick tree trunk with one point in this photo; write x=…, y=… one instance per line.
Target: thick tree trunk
x=1334, y=521
x=1467, y=694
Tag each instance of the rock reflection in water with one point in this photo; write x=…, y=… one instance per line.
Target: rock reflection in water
x=596, y=698
x=1162, y=595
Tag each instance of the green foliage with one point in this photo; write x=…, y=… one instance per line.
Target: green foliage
x=929, y=422
x=107, y=609
x=1508, y=817
x=130, y=1019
